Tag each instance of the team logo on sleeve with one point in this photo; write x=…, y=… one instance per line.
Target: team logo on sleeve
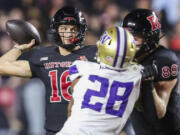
x=43, y=58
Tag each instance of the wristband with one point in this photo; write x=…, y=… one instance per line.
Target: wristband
x=18, y=48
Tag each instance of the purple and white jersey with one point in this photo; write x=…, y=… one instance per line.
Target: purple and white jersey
x=103, y=98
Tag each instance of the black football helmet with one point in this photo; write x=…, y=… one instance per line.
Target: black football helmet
x=69, y=15
x=144, y=23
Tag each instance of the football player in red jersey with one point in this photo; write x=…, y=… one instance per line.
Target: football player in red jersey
x=160, y=113
x=51, y=64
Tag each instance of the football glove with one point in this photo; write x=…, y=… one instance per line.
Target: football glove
x=149, y=72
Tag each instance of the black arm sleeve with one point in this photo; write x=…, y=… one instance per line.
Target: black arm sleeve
x=167, y=64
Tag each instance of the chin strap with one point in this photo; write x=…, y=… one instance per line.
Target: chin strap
x=72, y=45
x=162, y=36
x=74, y=40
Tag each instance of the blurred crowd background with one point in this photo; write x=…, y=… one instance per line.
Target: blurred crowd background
x=22, y=100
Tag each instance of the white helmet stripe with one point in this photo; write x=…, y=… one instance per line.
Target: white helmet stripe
x=125, y=48
x=121, y=51
x=118, y=46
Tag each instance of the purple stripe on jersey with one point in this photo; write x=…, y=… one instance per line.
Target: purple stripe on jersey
x=118, y=45
x=125, y=48
x=73, y=70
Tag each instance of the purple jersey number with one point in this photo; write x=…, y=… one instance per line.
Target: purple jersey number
x=113, y=97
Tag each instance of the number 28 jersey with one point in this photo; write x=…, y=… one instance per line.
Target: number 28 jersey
x=103, y=99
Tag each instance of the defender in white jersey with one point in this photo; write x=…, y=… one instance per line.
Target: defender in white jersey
x=104, y=94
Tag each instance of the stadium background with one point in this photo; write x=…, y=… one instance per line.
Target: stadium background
x=22, y=100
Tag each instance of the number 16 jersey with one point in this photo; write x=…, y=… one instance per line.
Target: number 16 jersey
x=52, y=68
x=103, y=99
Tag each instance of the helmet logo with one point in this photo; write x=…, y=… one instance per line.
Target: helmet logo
x=154, y=22
x=104, y=38
x=69, y=18
x=109, y=58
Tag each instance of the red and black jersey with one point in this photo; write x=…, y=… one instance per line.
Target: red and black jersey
x=167, y=64
x=51, y=67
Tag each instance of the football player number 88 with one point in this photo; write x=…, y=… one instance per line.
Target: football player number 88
x=114, y=95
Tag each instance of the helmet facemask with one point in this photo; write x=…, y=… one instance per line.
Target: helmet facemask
x=69, y=16
x=147, y=47
x=68, y=38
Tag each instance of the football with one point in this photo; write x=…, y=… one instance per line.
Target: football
x=22, y=32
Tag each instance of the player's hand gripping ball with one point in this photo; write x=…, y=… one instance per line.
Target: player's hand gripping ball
x=22, y=32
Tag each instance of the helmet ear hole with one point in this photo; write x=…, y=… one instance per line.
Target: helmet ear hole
x=132, y=45
x=109, y=42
